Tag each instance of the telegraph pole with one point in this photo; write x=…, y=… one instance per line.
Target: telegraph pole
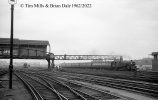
x=12, y=2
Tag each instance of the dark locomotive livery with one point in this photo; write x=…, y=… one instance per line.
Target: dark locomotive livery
x=123, y=65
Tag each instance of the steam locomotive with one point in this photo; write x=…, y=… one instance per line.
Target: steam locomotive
x=123, y=65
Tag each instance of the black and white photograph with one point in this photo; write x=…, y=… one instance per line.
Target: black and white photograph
x=78, y=49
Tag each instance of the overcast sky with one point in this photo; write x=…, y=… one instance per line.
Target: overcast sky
x=124, y=27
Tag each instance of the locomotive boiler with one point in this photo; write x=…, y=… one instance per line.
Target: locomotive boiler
x=123, y=65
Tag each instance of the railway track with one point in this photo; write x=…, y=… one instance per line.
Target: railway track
x=87, y=92
x=145, y=76
x=149, y=89
x=73, y=91
x=2, y=72
x=63, y=89
x=97, y=93
x=38, y=90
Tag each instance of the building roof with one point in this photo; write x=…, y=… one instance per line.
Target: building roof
x=7, y=41
x=154, y=53
x=33, y=42
x=23, y=42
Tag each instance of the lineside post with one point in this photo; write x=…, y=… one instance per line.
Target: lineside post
x=11, y=49
x=12, y=2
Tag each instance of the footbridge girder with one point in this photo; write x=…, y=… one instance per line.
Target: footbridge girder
x=85, y=57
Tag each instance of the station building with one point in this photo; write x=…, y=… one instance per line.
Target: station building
x=24, y=49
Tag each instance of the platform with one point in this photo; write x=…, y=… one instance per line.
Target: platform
x=18, y=92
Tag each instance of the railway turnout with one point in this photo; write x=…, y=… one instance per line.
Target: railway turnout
x=63, y=90
x=146, y=88
x=54, y=85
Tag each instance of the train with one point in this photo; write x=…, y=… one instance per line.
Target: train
x=113, y=65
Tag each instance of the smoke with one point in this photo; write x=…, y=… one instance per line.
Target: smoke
x=95, y=52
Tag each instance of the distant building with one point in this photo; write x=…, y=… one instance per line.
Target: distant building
x=155, y=61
